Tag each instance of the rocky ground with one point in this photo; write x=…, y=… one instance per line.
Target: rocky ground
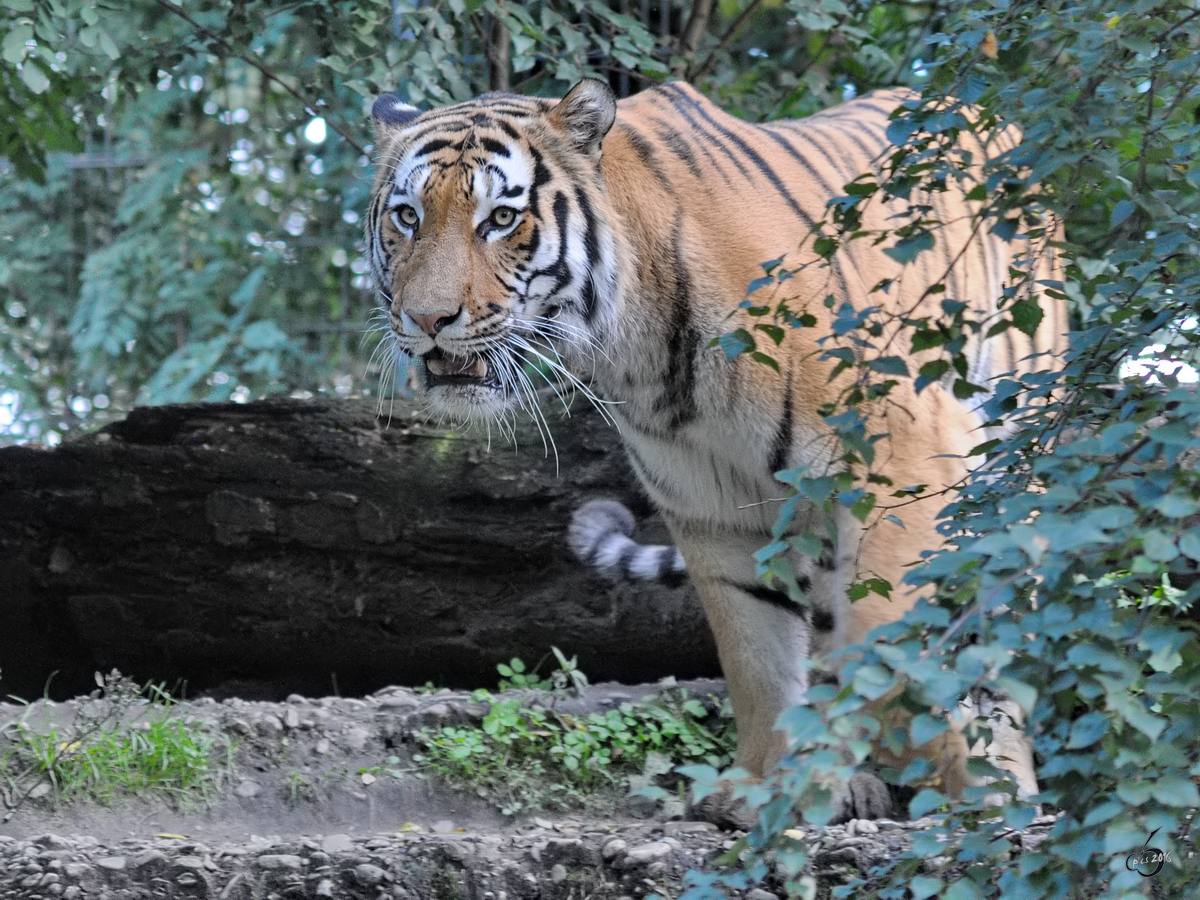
x=310, y=809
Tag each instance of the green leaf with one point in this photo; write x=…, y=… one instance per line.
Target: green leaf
x=909, y=248
x=889, y=365
x=1027, y=315
x=1189, y=543
x=107, y=46
x=1159, y=546
x=1022, y=694
x=33, y=76
x=1087, y=730
x=924, y=728
x=1176, y=790
x=734, y=343
x=825, y=247
x=926, y=801
x=873, y=682
x=765, y=360
x=774, y=332
x=14, y=43
x=923, y=886
x=1121, y=212
x=861, y=508
x=248, y=289
x=1006, y=229
x=963, y=889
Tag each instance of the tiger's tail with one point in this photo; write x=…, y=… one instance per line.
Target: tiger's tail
x=600, y=536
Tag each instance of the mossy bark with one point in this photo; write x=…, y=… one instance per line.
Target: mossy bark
x=309, y=545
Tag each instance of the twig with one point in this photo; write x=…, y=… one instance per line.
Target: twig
x=726, y=39
x=1166, y=34
x=309, y=106
x=692, y=34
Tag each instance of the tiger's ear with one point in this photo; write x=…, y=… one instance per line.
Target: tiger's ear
x=586, y=114
x=389, y=111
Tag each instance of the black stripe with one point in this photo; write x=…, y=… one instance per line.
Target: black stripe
x=559, y=269
x=626, y=560
x=775, y=598
x=656, y=94
x=591, y=243
x=761, y=164
x=682, y=343
x=828, y=559
x=491, y=145
x=666, y=563
x=541, y=177
x=677, y=145
x=683, y=104
x=434, y=146
x=835, y=154
x=782, y=444
x=448, y=124
x=497, y=173
x=508, y=129
x=645, y=152
x=823, y=620
x=806, y=164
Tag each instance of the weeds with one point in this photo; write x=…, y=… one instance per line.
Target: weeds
x=527, y=754
x=124, y=742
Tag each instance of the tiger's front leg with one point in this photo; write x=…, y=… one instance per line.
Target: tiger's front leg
x=765, y=641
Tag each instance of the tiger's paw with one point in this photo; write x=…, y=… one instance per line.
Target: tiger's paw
x=865, y=797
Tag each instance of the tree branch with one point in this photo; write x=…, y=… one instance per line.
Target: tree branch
x=309, y=106
x=499, y=53
x=726, y=39
x=692, y=34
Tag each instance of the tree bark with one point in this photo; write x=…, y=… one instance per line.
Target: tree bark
x=309, y=546
x=499, y=51
x=692, y=34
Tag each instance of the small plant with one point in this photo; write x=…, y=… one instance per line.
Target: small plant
x=528, y=755
x=513, y=677
x=125, y=742
x=567, y=679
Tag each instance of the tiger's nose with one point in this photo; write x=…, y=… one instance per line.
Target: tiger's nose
x=432, y=323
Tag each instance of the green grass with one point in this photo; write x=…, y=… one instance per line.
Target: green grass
x=125, y=748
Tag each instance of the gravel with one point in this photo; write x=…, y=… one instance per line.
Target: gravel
x=350, y=837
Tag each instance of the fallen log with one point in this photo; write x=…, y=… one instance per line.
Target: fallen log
x=308, y=546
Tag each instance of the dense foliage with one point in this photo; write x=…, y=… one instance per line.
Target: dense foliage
x=1074, y=551
x=178, y=225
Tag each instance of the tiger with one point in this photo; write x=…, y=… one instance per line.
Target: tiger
x=612, y=242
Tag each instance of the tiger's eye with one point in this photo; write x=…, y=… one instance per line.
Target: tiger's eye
x=405, y=218
x=503, y=216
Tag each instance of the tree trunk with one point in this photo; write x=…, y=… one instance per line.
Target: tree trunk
x=309, y=546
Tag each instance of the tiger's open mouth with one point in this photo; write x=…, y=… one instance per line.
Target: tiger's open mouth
x=442, y=369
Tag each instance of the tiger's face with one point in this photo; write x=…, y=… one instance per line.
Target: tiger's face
x=490, y=242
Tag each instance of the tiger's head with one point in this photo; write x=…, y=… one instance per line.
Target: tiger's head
x=490, y=239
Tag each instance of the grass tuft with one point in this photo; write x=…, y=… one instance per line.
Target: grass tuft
x=130, y=744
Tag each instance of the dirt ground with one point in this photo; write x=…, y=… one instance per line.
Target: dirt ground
x=311, y=810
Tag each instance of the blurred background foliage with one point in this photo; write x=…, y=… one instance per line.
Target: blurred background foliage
x=181, y=183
